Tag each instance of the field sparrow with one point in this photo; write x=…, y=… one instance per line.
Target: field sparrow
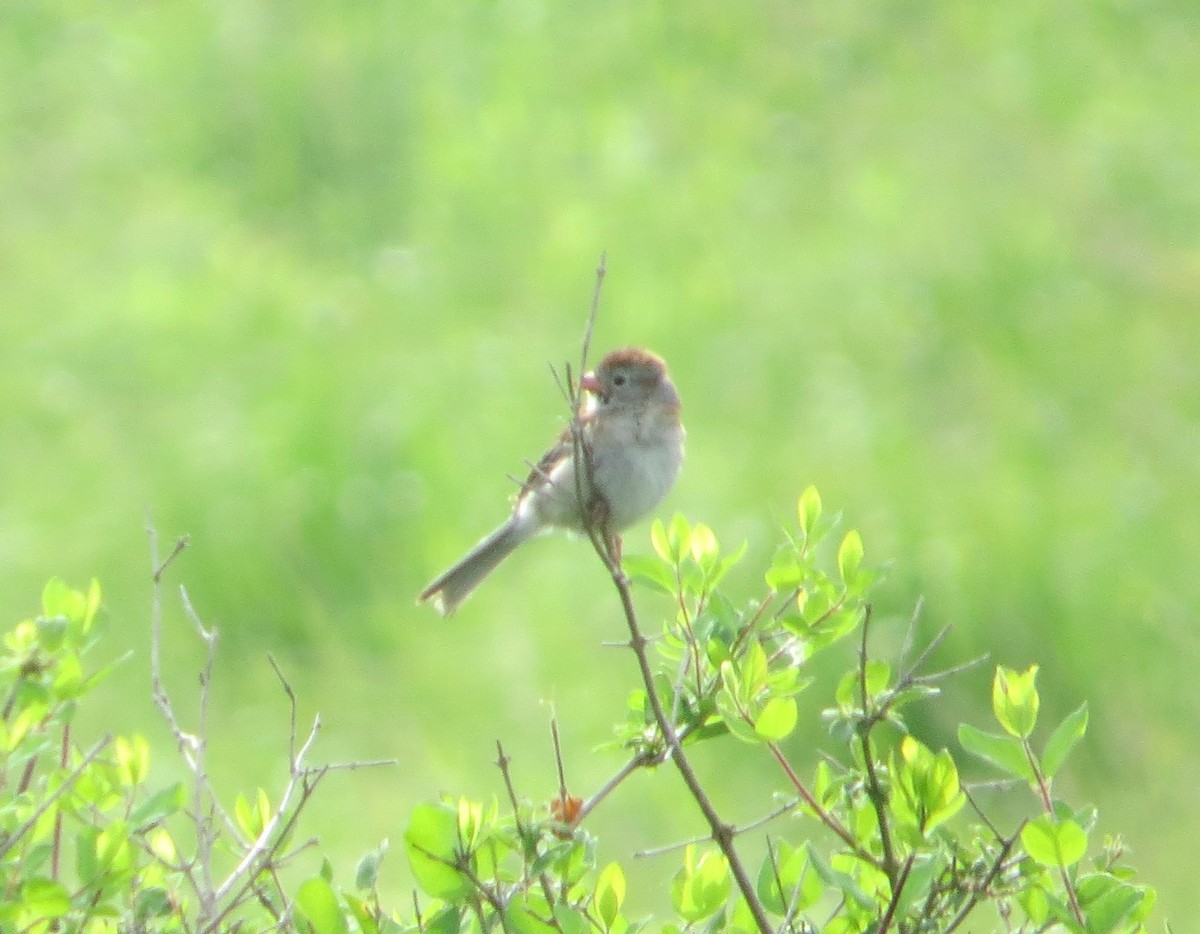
x=631, y=428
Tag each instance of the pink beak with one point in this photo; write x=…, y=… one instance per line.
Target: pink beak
x=590, y=383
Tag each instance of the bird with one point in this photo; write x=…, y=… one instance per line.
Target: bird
x=633, y=439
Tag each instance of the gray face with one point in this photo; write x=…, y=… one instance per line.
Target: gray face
x=627, y=383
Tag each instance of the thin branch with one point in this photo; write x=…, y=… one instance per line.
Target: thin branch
x=183, y=740
x=641, y=760
x=823, y=815
x=10, y=840
x=502, y=763
x=1043, y=786
x=874, y=787
x=558, y=758
x=722, y=833
x=897, y=890
x=910, y=632
x=307, y=788
x=981, y=890
x=261, y=843
x=192, y=746
x=979, y=812
x=593, y=511
x=205, y=834
x=291, y=696
x=928, y=650
x=585, y=346
x=737, y=831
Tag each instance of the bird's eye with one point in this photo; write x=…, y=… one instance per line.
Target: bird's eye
x=619, y=379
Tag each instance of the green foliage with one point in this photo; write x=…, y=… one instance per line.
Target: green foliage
x=885, y=836
x=91, y=817
x=89, y=842
x=882, y=837
x=940, y=258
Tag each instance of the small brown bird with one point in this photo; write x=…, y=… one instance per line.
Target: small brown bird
x=632, y=429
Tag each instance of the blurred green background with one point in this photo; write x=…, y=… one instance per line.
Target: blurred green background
x=289, y=276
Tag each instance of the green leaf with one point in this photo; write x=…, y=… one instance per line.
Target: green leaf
x=1109, y=903
x=364, y=914
x=1015, y=700
x=572, y=921
x=1004, y=752
x=1035, y=903
x=68, y=678
x=731, y=712
x=658, y=541
x=252, y=818
x=752, y=673
x=849, y=557
x=60, y=600
x=152, y=902
x=432, y=841
x=837, y=879
x=926, y=789
x=650, y=571
x=86, y=864
x=52, y=632
x=112, y=849
x=159, y=806
x=787, y=882
x=610, y=894
x=162, y=845
x=785, y=572
x=1054, y=844
x=809, y=510
x=722, y=568
x=45, y=899
x=528, y=913
x=702, y=544
x=1064, y=738
x=878, y=674
x=317, y=902
x=91, y=605
x=777, y=719
x=366, y=874
x=701, y=886
x=679, y=534
x=133, y=760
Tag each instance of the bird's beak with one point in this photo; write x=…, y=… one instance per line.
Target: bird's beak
x=590, y=383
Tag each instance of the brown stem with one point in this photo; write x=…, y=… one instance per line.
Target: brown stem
x=722, y=833
x=874, y=787
x=825, y=817
x=897, y=890
x=1048, y=805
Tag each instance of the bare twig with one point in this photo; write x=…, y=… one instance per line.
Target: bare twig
x=822, y=814
x=607, y=549
x=585, y=346
x=910, y=632
x=897, y=890
x=737, y=831
x=502, y=763
x=217, y=902
x=982, y=889
x=874, y=788
x=192, y=746
x=260, y=845
x=641, y=760
x=7, y=842
x=558, y=758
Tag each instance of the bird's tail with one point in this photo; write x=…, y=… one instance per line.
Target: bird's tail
x=452, y=587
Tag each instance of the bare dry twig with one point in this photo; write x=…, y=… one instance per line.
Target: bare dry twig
x=264, y=853
x=605, y=545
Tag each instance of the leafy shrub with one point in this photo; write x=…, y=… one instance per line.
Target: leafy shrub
x=879, y=835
